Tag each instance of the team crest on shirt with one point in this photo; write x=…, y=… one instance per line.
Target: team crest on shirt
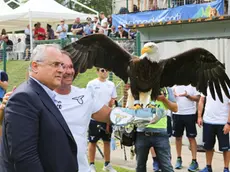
x=79, y=99
x=59, y=105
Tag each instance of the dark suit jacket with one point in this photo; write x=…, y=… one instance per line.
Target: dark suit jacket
x=35, y=137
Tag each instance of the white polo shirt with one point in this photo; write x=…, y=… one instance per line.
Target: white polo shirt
x=215, y=111
x=185, y=106
x=77, y=108
x=103, y=91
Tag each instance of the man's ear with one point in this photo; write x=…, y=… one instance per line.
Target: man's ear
x=34, y=67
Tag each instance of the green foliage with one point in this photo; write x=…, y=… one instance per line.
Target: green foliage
x=98, y=5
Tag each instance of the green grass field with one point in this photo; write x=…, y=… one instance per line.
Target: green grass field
x=16, y=71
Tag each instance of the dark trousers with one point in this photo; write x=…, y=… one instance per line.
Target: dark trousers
x=160, y=142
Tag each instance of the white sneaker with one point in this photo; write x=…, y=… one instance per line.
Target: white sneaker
x=92, y=168
x=109, y=168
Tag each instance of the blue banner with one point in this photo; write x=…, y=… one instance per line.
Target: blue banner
x=185, y=12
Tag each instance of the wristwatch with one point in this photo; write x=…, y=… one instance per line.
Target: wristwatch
x=228, y=123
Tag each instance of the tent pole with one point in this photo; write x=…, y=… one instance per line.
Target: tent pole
x=31, y=32
x=86, y=7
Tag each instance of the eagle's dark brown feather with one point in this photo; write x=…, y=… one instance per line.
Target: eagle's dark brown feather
x=197, y=67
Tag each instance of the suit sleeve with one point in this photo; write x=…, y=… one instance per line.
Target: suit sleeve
x=22, y=132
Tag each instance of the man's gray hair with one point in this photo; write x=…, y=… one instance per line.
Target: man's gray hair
x=39, y=52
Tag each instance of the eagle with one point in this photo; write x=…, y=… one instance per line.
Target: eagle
x=146, y=73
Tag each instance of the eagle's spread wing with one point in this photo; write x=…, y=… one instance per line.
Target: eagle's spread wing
x=100, y=51
x=197, y=67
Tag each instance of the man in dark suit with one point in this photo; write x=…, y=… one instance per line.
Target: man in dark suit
x=36, y=137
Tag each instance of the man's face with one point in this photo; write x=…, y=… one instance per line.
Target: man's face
x=102, y=73
x=69, y=72
x=120, y=28
x=102, y=16
x=50, y=70
x=77, y=20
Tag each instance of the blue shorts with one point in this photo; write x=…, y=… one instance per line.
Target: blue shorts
x=210, y=131
x=97, y=132
x=181, y=122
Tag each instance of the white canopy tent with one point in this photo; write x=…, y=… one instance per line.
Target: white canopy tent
x=44, y=11
x=4, y=8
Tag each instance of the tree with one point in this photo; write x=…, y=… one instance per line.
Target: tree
x=98, y=5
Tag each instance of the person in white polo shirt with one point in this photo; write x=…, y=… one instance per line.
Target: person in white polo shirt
x=77, y=106
x=105, y=91
x=216, y=123
x=185, y=118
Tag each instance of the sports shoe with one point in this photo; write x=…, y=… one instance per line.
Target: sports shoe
x=178, y=163
x=193, y=166
x=109, y=168
x=92, y=168
x=206, y=170
x=156, y=166
x=226, y=170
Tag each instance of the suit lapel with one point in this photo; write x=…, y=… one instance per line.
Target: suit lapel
x=49, y=104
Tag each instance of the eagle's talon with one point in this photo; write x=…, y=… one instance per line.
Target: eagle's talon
x=137, y=106
x=150, y=106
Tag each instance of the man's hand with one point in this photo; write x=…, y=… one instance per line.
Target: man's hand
x=161, y=98
x=5, y=99
x=226, y=129
x=183, y=94
x=111, y=103
x=200, y=121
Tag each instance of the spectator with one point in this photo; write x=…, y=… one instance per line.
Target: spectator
x=112, y=32
x=121, y=32
x=109, y=24
x=103, y=19
x=3, y=32
x=9, y=43
x=77, y=27
x=62, y=29
x=96, y=25
x=50, y=32
x=88, y=28
x=39, y=32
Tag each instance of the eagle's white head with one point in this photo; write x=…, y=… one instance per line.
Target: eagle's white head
x=150, y=51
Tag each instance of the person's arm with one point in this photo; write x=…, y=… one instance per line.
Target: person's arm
x=103, y=115
x=113, y=97
x=227, y=126
x=170, y=103
x=4, y=84
x=4, y=80
x=194, y=98
x=200, y=110
x=58, y=29
x=22, y=132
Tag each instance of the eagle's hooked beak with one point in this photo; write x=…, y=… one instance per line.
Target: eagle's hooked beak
x=145, y=50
